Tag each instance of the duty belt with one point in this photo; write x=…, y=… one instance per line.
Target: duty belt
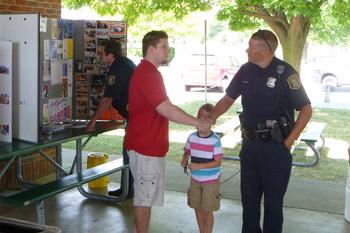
x=263, y=135
x=269, y=130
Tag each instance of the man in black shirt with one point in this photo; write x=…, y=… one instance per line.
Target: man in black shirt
x=116, y=92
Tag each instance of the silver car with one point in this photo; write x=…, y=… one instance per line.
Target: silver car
x=331, y=71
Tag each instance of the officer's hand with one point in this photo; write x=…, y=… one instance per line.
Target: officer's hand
x=91, y=126
x=288, y=143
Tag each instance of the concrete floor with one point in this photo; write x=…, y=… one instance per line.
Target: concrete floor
x=74, y=214
x=311, y=206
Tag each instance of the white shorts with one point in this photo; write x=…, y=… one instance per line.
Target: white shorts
x=149, y=177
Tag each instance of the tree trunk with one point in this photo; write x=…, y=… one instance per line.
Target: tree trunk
x=294, y=40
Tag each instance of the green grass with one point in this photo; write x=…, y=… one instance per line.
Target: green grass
x=328, y=169
x=336, y=122
x=103, y=143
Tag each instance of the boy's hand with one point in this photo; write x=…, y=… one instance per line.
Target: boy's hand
x=194, y=166
x=184, y=162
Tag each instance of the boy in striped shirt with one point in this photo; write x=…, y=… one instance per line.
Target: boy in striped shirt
x=204, y=149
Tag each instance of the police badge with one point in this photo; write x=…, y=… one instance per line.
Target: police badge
x=271, y=82
x=110, y=80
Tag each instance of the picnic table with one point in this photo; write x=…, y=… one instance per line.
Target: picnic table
x=65, y=180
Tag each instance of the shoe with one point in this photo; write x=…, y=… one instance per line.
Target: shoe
x=115, y=193
x=118, y=192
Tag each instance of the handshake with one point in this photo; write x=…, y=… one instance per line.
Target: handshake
x=204, y=124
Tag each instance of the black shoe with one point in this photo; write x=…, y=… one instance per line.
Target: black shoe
x=115, y=193
x=118, y=192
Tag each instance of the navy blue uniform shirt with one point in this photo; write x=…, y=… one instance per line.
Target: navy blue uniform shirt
x=267, y=93
x=117, y=84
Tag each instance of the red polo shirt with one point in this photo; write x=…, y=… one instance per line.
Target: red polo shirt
x=148, y=131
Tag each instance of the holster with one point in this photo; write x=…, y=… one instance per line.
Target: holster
x=285, y=126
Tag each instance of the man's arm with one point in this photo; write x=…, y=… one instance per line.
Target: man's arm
x=221, y=107
x=104, y=104
x=176, y=114
x=302, y=120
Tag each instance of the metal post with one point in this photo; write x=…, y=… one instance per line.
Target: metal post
x=327, y=94
x=57, y=164
x=58, y=160
x=40, y=212
x=79, y=155
x=19, y=176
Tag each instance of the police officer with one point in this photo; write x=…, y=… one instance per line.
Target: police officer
x=270, y=90
x=116, y=92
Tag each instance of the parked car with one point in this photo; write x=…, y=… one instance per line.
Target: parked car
x=332, y=71
x=220, y=70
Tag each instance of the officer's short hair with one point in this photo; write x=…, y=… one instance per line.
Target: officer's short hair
x=112, y=46
x=206, y=107
x=267, y=37
x=152, y=39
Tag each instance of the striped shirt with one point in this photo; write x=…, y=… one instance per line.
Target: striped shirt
x=204, y=150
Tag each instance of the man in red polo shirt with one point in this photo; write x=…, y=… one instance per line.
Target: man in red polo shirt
x=147, y=139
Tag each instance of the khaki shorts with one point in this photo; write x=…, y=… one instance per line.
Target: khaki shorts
x=149, y=177
x=205, y=197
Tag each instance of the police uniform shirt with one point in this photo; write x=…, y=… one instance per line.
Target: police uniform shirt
x=117, y=84
x=267, y=93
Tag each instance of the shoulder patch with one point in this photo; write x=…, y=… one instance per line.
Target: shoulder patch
x=110, y=80
x=294, y=82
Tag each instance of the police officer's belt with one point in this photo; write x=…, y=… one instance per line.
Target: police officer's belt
x=270, y=130
x=261, y=135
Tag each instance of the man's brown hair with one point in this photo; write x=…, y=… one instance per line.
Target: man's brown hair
x=268, y=37
x=152, y=39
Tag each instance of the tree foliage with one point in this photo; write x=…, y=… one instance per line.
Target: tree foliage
x=291, y=20
x=166, y=21
x=134, y=9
